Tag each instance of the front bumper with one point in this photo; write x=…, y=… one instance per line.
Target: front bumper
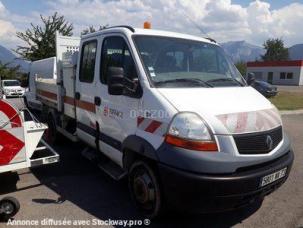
x=212, y=193
x=14, y=94
x=271, y=93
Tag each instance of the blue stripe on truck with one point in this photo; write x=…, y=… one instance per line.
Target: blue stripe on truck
x=102, y=137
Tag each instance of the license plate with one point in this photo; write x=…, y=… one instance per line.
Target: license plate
x=273, y=177
x=52, y=160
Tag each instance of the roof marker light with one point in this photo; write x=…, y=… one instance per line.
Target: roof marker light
x=147, y=25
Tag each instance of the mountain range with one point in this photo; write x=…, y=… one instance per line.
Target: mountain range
x=7, y=56
x=238, y=50
x=243, y=51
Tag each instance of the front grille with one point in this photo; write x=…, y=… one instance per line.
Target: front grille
x=259, y=143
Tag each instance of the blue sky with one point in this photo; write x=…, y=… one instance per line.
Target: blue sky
x=23, y=7
x=225, y=20
x=275, y=4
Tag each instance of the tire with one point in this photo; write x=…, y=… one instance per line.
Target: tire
x=9, y=207
x=51, y=134
x=145, y=189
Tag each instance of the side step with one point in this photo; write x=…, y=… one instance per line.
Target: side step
x=67, y=134
x=104, y=163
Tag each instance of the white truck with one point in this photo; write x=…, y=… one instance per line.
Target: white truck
x=46, y=68
x=173, y=113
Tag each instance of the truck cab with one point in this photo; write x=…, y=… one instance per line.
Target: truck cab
x=173, y=113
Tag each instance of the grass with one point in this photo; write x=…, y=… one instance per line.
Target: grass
x=288, y=100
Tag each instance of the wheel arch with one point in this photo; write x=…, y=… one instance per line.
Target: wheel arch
x=135, y=146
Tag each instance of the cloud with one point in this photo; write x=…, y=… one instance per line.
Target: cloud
x=2, y=8
x=221, y=19
x=7, y=29
x=11, y=23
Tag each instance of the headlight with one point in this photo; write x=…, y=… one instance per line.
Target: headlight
x=188, y=130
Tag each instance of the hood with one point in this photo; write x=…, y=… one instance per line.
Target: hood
x=228, y=110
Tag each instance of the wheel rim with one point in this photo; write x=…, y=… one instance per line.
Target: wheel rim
x=144, y=190
x=8, y=208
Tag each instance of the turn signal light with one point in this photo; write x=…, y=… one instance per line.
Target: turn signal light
x=209, y=146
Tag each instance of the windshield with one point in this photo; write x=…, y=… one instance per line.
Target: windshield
x=11, y=83
x=171, y=62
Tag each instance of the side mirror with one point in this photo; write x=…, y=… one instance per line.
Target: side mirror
x=250, y=78
x=115, y=80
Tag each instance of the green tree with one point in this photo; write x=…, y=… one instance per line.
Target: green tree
x=92, y=29
x=241, y=66
x=40, y=39
x=275, y=50
x=7, y=71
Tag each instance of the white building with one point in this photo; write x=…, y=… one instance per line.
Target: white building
x=278, y=72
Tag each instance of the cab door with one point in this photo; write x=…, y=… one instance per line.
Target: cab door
x=85, y=92
x=116, y=114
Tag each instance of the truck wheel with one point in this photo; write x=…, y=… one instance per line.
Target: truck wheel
x=9, y=206
x=50, y=134
x=145, y=189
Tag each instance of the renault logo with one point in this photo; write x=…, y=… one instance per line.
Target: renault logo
x=269, y=142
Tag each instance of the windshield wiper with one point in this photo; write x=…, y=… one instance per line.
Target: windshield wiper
x=186, y=80
x=225, y=80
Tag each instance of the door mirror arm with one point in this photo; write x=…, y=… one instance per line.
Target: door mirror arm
x=131, y=85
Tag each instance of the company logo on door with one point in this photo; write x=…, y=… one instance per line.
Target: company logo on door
x=113, y=113
x=105, y=112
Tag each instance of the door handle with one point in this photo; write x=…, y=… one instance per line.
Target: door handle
x=97, y=101
x=77, y=96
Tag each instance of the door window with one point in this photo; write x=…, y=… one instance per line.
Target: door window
x=87, y=64
x=115, y=53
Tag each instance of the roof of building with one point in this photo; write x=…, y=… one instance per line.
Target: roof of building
x=288, y=63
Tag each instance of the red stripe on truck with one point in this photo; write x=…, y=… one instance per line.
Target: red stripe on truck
x=47, y=94
x=69, y=100
x=153, y=126
x=140, y=120
x=80, y=104
x=86, y=106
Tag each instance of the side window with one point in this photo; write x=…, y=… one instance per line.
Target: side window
x=87, y=64
x=115, y=53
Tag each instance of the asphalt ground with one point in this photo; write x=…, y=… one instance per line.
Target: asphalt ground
x=75, y=189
